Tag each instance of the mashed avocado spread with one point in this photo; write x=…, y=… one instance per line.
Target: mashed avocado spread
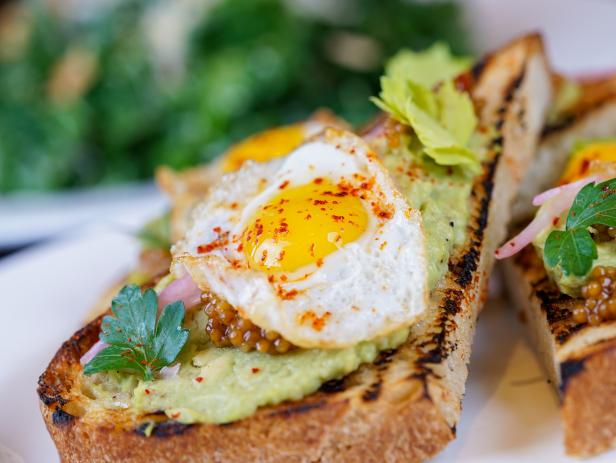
x=442, y=195
x=219, y=385
x=572, y=284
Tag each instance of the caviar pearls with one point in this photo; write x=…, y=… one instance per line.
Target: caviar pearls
x=598, y=301
x=226, y=328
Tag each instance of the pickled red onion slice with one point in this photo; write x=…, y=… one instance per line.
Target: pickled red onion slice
x=95, y=349
x=183, y=289
x=555, y=201
x=170, y=372
x=552, y=192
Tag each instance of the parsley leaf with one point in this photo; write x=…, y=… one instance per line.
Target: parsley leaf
x=594, y=204
x=573, y=248
x=138, y=342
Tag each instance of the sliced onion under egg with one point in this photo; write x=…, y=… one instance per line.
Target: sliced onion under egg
x=183, y=289
x=93, y=351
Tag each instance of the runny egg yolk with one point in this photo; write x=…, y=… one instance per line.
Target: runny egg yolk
x=264, y=146
x=302, y=225
x=589, y=160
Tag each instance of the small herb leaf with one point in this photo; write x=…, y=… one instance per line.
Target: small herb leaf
x=138, y=342
x=594, y=205
x=114, y=358
x=574, y=250
x=170, y=337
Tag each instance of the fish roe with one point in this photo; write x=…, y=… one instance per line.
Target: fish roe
x=226, y=328
x=598, y=302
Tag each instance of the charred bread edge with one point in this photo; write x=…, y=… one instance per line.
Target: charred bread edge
x=383, y=418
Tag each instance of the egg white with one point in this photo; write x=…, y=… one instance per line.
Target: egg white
x=365, y=289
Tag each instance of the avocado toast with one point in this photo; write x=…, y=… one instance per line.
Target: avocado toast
x=568, y=307
x=403, y=402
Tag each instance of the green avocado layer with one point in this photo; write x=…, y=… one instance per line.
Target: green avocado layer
x=441, y=193
x=572, y=284
x=219, y=385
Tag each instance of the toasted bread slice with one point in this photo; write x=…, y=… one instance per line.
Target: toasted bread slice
x=580, y=359
x=405, y=406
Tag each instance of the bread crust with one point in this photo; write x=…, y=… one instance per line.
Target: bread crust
x=580, y=359
x=404, y=406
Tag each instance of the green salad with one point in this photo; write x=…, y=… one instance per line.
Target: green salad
x=101, y=97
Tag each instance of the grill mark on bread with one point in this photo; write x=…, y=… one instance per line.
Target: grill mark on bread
x=422, y=378
x=61, y=418
x=46, y=394
x=333, y=386
x=568, y=370
x=553, y=303
x=569, y=120
x=478, y=67
x=560, y=125
x=163, y=429
x=50, y=390
x=514, y=86
x=382, y=362
x=558, y=316
x=466, y=266
x=298, y=409
x=436, y=346
x=373, y=391
x=384, y=358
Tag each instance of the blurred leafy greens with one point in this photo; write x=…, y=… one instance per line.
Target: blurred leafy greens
x=85, y=101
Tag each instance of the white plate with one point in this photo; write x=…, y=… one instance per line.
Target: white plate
x=510, y=412
x=30, y=217
x=579, y=34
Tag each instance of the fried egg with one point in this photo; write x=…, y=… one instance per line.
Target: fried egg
x=318, y=246
x=189, y=186
x=598, y=157
x=277, y=142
